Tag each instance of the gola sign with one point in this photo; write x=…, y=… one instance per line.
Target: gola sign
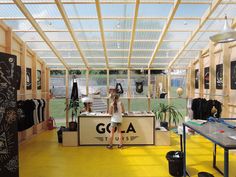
x=95, y=130
x=101, y=128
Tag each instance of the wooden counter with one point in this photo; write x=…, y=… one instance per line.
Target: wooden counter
x=137, y=129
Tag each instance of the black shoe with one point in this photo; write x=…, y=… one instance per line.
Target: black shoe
x=109, y=147
x=120, y=146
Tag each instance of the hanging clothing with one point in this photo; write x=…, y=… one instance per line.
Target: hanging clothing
x=139, y=87
x=119, y=88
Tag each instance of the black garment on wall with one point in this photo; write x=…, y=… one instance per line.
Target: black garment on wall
x=21, y=118
x=217, y=105
x=28, y=108
x=139, y=87
x=8, y=117
x=26, y=114
x=119, y=88
x=202, y=108
x=199, y=107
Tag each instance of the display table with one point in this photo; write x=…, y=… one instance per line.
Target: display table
x=137, y=129
x=219, y=134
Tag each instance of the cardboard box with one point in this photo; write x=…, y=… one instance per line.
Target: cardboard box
x=162, y=138
x=70, y=138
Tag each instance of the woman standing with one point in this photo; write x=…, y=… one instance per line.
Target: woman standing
x=116, y=109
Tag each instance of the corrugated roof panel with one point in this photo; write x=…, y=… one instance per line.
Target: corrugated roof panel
x=85, y=24
x=31, y=36
x=58, y=36
x=117, y=10
x=117, y=35
x=52, y=24
x=19, y=24
x=154, y=10
x=117, y=45
x=64, y=45
x=43, y=10
x=150, y=24
x=144, y=45
x=147, y=35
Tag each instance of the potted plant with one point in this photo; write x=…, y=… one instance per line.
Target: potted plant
x=165, y=110
x=75, y=105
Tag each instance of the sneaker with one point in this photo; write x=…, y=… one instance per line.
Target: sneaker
x=109, y=146
x=120, y=146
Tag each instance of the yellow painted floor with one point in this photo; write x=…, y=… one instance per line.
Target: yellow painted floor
x=42, y=156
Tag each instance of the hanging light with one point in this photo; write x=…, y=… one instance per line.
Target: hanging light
x=226, y=35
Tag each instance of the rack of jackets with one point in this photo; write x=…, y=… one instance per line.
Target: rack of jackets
x=30, y=112
x=202, y=108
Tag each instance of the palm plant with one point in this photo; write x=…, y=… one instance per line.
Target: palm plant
x=173, y=114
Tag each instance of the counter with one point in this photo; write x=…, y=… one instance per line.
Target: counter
x=138, y=128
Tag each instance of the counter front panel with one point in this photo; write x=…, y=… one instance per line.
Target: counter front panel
x=94, y=130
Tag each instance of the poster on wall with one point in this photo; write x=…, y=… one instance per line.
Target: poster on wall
x=219, y=76
x=38, y=79
x=8, y=117
x=196, y=78
x=206, y=78
x=28, y=79
x=233, y=75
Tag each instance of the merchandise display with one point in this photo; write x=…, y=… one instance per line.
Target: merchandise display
x=30, y=112
x=202, y=108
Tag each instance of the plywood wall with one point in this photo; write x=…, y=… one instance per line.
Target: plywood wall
x=222, y=53
x=26, y=58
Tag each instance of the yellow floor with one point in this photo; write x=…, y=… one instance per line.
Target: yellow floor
x=42, y=156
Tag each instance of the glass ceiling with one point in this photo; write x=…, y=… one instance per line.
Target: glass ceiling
x=116, y=33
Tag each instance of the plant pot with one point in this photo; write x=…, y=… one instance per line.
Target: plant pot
x=164, y=124
x=73, y=126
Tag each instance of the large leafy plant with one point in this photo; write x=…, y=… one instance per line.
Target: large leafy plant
x=164, y=110
x=75, y=106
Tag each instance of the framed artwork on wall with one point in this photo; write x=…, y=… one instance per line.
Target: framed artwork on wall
x=219, y=76
x=38, y=79
x=206, y=78
x=28, y=79
x=233, y=75
x=196, y=78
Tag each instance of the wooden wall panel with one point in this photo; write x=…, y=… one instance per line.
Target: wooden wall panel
x=2, y=38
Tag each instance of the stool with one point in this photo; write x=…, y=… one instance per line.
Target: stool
x=204, y=174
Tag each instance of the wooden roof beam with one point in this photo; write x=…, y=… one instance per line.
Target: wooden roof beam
x=102, y=31
x=204, y=18
x=71, y=31
x=164, y=32
x=133, y=31
x=33, y=22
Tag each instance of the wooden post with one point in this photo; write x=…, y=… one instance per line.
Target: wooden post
x=67, y=97
x=212, y=71
x=47, y=93
x=87, y=82
x=108, y=86
x=23, y=72
x=9, y=40
x=149, y=87
x=129, y=91
x=226, y=82
x=201, y=75
x=188, y=81
x=169, y=85
x=34, y=77
x=192, y=81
